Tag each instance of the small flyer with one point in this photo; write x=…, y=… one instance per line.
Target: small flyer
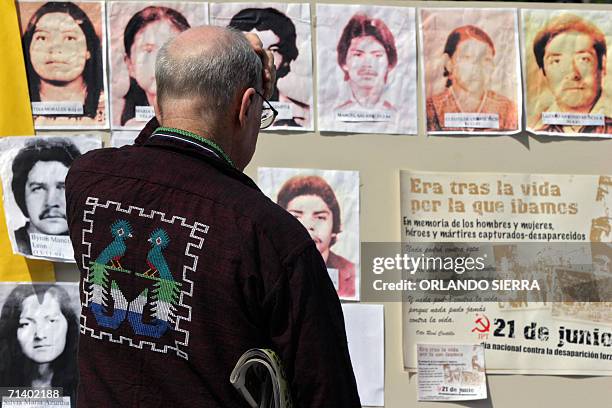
x=451, y=372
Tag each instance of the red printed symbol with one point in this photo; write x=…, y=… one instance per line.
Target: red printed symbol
x=482, y=325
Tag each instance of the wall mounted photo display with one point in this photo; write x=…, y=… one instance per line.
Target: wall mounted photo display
x=33, y=171
x=64, y=45
x=367, y=72
x=326, y=202
x=285, y=30
x=566, y=82
x=137, y=30
x=39, y=333
x=471, y=71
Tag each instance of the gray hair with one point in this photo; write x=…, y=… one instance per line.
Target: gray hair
x=213, y=76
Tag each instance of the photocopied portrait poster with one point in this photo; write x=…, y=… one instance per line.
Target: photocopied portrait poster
x=137, y=31
x=550, y=229
x=451, y=372
x=64, y=45
x=366, y=61
x=284, y=29
x=326, y=202
x=33, y=171
x=47, y=319
x=471, y=70
x=566, y=81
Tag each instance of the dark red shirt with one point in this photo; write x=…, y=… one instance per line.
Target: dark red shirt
x=184, y=266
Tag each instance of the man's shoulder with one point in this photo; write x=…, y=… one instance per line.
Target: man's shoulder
x=235, y=196
x=494, y=97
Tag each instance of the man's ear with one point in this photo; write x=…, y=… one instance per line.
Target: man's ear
x=246, y=103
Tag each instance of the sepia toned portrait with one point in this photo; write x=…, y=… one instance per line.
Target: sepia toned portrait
x=326, y=203
x=33, y=172
x=284, y=29
x=367, y=71
x=64, y=51
x=565, y=54
x=471, y=71
x=137, y=32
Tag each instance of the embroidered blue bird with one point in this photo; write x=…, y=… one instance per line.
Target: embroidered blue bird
x=121, y=230
x=155, y=259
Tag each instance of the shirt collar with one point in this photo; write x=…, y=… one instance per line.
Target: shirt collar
x=190, y=144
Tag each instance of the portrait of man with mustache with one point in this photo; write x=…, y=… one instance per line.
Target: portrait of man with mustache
x=366, y=55
x=571, y=55
x=39, y=173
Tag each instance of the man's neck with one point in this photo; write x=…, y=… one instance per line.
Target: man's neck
x=198, y=127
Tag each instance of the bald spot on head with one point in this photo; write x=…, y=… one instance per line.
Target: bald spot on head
x=198, y=42
x=202, y=71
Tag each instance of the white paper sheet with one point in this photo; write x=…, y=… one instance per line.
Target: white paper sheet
x=365, y=330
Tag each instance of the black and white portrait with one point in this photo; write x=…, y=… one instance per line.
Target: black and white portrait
x=39, y=331
x=34, y=170
x=284, y=29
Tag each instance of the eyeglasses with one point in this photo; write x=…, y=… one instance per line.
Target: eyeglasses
x=268, y=113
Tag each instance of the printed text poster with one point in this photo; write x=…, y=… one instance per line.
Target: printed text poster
x=540, y=337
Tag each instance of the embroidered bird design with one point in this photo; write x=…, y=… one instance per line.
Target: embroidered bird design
x=121, y=230
x=155, y=258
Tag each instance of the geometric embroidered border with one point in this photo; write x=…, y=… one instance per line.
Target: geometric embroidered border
x=191, y=262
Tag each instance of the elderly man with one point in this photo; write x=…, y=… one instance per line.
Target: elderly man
x=39, y=172
x=571, y=53
x=185, y=264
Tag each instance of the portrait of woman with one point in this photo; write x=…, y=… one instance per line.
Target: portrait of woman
x=64, y=63
x=144, y=35
x=39, y=332
x=471, y=71
x=137, y=31
x=468, y=55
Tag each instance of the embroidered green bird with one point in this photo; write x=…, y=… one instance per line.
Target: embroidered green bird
x=121, y=230
x=155, y=259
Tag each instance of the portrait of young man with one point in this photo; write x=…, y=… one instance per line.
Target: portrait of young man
x=324, y=201
x=568, y=95
x=34, y=171
x=284, y=29
x=137, y=32
x=367, y=69
x=471, y=71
